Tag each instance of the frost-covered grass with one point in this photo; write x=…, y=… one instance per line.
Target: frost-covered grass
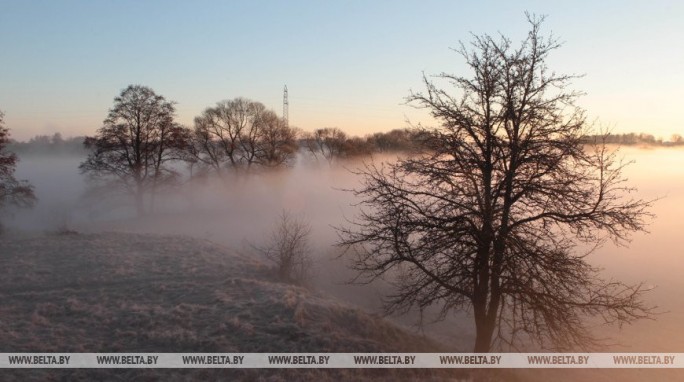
x=115, y=292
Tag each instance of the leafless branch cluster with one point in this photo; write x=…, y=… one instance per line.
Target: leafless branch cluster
x=239, y=134
x=289, y=249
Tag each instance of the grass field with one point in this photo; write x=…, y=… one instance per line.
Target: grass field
x=115, y=292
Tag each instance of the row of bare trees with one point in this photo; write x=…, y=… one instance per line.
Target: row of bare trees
x=635, y=139
x=331, y=143
x=139, y=145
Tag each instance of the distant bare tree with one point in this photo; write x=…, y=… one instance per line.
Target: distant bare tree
x=357, y=147
x=137, y=140
x=405, y=140
x=240, y=133
x=289, y=250
x=490, y=218
x=328, y=142
x=277, y=143
x=217, y=133
x=13, y=192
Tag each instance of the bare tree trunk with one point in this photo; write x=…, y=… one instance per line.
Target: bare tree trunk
x=485, y=323
x=484, y=327
x=483, y=336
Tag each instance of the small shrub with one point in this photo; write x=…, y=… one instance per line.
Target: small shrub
x=288, y=249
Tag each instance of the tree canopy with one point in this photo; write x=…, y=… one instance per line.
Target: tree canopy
x=137, y=139
x=239, y=134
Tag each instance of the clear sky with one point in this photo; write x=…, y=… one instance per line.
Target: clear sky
x=347, y=64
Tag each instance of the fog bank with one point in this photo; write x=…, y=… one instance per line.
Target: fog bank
x=235, y=211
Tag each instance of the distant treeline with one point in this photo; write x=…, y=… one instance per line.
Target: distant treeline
x=635, y=139
x=48, y=145
x=330, y=143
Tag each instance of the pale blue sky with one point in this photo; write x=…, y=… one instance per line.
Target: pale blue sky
x=347, y=64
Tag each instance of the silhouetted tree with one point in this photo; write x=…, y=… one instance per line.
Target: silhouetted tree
x=132, y=148
x=490, y=220
x=241, y=133
x=328, y=142
x=277, y=143
x=13, y=192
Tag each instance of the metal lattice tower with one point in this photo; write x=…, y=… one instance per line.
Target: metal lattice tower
x=286, y=106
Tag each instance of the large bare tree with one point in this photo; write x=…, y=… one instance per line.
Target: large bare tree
x=13, y=192
x=495, y=217
x=133, y=147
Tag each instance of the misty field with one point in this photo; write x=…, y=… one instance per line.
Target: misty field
x=114, y=292
x=78, y=278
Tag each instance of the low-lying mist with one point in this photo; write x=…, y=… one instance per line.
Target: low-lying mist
x=238, y=211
